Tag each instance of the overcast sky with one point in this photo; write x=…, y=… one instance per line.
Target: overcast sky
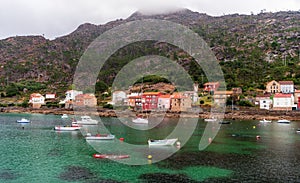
x=54, y=18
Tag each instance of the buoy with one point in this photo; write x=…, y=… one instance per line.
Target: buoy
x=178, y=144
x=149, y=156
x=257, y=137
x=122, y=139
x=254, y=127
x=209, y=140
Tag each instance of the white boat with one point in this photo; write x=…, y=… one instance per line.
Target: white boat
x=23, y=120
x=165, y=142
x=87, y=120
x=66, y=128
x=265, y=121
x=210, y=120
x=99, y=137
x=140, y=120
x=64, y=116
x=283, y=121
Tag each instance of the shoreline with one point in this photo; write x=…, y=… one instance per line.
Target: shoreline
x=243, y=114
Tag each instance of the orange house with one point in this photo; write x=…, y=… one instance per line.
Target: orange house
x=85, y=100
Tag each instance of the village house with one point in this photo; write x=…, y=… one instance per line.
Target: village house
x=150, y=100
x=221, y=96
x=265, y=103
x=211, y=86
x=70, y=97
x=119, y=98
x=286, y=86
x=36, y=100
x=85, y=100
x=282, y=101
x=180, y=102
x=193, y=94
x=273, y=87
x=164, y=102
x=297, y=98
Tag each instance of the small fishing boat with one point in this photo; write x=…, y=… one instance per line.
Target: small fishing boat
x=89, y=136
x=66, y=128
x=64, y=116
x=23, y=120
x=298, y=130
x=265, y=121
x=165, y=142
x=285, y=121
x=140, y=120
x=110, y=156
x=210, y=120
x=87, y=120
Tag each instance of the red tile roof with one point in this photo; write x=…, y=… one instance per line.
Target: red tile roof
x=286, y=82
x=282, y=95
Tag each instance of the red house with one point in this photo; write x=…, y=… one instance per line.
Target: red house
x=150, y=100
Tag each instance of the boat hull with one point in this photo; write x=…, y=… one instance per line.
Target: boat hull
x=100, y=137
x=165, y=142
x=140, y=121
x=110, y=156
x=66, y=128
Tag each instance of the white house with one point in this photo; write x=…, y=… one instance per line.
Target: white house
x=36, y=100
x=119, y=97
x=265, y=104
x=164, y=102
x=70, y=96
x=282, y=101
x=286, y=86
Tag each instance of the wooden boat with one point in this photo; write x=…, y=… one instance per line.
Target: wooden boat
x=23, y=120
x=165, y=142
x=110, y=156
x=87, y=120
x=285, y=121
x=265, y=121
x=66, y=128
x=99, y=137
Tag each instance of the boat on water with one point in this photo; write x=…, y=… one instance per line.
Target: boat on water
x=165, y=142
x=265, y=121
x=87, y=120
x=210, y=120
x=285, y=121
x=140, y=120
x=23, y=120
x=66, y=128
x=89, y=136
x=298, y=130
x=225, y=122
x=64, y=116
x=110, y=156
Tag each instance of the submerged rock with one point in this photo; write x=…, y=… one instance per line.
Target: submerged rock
x=76, y=173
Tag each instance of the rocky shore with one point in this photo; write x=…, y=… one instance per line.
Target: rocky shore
x=242, y=114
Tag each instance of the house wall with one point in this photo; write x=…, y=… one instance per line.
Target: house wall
x=283, y=103
x=265, y=104
x=287, y=88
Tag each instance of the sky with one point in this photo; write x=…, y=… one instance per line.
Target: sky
x=55, y=18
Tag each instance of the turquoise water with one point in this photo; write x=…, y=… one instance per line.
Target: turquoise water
x=36, y=153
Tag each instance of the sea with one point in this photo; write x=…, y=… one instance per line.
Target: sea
x=241, y=151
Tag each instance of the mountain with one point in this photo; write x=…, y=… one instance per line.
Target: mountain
x=251, y=49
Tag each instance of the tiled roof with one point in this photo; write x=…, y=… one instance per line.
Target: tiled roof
x=286, y=82
x=282, y=95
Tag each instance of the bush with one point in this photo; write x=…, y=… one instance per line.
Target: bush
x=108, y=106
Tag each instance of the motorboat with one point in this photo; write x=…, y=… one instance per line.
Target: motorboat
x=66, y=128
x=89, y=136
x=110, y=156
x=23, y=120
x=285, y=121
x=140, y=120
x=265, y=121
x=298, y=130
x=87, y=120
x=64, y=116
x=165, y=142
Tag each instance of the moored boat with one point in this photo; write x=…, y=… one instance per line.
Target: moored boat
x=110, y=156
x=265, y=121
x=210, y=120
x=165, y=142
x=66, y=128
x=23, y=120
x=64, y=116
x=87, y=120
x=99, y=137
x=285, y=121
x=140, y=120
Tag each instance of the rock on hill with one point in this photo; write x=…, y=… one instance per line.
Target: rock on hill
x=271, y=36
